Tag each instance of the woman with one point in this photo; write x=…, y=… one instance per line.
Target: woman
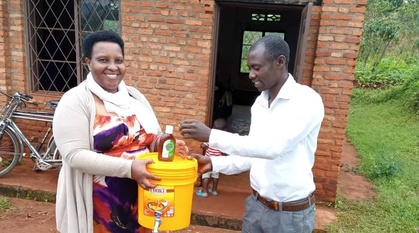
x=100, y=127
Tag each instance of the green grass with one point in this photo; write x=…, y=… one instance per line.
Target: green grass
x=5, y=206
x=386, y=136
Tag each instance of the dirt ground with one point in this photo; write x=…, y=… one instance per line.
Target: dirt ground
x=33, y=216
x=350, y=185
x=39, y=217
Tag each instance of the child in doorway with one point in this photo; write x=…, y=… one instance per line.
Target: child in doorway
x=219, y=123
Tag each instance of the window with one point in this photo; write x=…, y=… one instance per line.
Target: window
x=55, y=29
x=249, y=37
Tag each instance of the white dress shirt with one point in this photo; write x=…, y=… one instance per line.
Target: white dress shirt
x=280, y=147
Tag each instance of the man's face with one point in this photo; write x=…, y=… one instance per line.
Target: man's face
x=263, y=73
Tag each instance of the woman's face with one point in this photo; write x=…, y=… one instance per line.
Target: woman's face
x=107, y=65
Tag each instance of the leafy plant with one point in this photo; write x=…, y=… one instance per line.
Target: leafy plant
x=390, y=71
x=390, y=27
x=383, y=165
x=411, y=88
x=5, y=206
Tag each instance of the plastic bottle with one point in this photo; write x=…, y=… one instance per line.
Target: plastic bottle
x=166, y=149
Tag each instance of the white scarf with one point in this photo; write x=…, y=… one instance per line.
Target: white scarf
x=124, y=105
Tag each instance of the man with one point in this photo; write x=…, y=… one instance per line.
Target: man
x=279, y=150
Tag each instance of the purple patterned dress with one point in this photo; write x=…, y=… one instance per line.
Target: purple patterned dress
x=115, y=199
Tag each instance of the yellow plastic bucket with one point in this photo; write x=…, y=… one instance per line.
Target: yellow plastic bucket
x=172, y=197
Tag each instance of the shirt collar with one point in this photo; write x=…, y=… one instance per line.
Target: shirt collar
x=286, y=91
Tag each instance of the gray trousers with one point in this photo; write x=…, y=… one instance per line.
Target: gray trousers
x=260, y=219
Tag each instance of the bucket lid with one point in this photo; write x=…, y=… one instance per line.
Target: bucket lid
x=177, y=164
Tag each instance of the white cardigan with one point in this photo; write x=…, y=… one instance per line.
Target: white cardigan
x=73, y=126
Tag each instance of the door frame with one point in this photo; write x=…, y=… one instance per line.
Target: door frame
x=299, y=54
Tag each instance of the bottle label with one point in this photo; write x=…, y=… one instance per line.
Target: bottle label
x=168, y=149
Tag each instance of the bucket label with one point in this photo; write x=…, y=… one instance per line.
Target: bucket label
x=161, y=199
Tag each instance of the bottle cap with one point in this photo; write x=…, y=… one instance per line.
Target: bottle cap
x=169, y=129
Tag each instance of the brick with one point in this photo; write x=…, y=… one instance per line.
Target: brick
x=321, y=68
x=354, y=40
x=358, y=9
x=336, y=62
x=327, y=8
x=341, y=16
x=362, y=2
x=350, y=55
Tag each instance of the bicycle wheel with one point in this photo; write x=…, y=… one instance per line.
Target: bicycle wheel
x=9, y=151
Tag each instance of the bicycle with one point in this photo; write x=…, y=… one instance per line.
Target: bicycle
x=12, y=139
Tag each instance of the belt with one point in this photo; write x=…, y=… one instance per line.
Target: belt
x=298, y=205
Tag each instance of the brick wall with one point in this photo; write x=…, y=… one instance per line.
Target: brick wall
x=170, y=56
x=169, y=53
x=4, y=46
x=339, y=30
x=12, y=70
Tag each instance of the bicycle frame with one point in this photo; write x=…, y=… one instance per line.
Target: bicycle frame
x=42, y=116
x=13, y=140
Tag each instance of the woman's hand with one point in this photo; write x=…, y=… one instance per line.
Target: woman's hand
x=181, y=149
x=140, y=174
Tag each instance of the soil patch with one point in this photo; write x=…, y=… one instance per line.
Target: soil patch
x=352, y=186
x=29, y=216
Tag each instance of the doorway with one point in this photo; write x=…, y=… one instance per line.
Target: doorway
x=239, y=25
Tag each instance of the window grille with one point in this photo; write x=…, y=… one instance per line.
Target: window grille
x=266, y=17
x=55, y=30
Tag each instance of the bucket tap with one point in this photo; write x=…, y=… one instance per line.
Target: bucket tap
x=157, y=222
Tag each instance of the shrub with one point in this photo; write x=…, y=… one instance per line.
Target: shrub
x=389, y=72
x=383, y=91
x=381, y=166
x=411, y=88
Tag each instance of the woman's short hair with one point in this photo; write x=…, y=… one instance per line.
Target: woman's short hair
x=100, y=36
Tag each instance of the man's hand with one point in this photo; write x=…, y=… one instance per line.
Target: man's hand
x=181, y=149
x=140, y=174
x=204, y=163
x=194, y=129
